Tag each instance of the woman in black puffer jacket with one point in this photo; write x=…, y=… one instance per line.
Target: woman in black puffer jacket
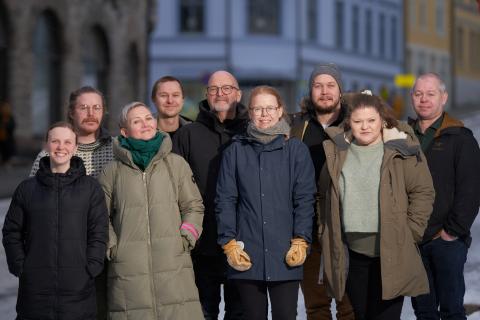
x=55, y=234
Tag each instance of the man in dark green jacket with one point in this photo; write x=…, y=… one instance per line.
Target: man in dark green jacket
x=321, y=108
x=453, y=158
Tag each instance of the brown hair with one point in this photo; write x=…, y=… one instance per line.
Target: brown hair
x=72, y=100
x=364, y=100
x=61, y=124
x=163, y=80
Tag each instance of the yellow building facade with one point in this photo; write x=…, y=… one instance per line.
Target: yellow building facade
x=428, y=38
x=466, y=53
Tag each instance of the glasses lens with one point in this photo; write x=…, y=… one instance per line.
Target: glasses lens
x=212, y=90
x=227, y=89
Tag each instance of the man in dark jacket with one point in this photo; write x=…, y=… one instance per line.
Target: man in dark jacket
x=320, y=109
x=168, y=97
x=201, y=143
x=453, y=158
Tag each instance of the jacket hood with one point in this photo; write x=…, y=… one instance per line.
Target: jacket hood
x=47, y=177
x=401, y=139
x=124, y=155
x=104, y=136
x=210, y=119
x=184, y=120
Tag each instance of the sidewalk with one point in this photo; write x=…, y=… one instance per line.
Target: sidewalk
x=12, y=175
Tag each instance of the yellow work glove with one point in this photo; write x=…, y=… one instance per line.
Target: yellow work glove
x=236, y=257
x=298, y=252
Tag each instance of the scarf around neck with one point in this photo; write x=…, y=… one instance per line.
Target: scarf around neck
x=142, y=151
x=267, y=135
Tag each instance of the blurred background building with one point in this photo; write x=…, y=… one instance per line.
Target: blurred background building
x=278, y=42
x=50, y=47
x=428, y=38
x=465, y=53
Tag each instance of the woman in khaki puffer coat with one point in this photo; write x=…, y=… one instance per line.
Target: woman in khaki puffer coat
x=156, y=214
x=375, y=198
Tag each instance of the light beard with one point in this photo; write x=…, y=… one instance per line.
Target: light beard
x=224, y=108
x=321, y=110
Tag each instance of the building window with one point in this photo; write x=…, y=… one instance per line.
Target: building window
x=191, y=16
x=381, y=36
x=133, y=73
x=474, y=49
x=46, y=104
x=421, y=63
x=96, y=59
x=412, y=11
x=312, y=19
x=422, y=15
x=408, y=60
x=264, y=17
x=368, y=31
x=440, y=16
x=339, y=34
x=355, y=29
x=393, y=38
x=3, y=54
x=460, y=44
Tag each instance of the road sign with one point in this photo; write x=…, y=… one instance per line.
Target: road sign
x=404, y=80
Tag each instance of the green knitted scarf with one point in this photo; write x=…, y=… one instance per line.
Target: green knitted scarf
x=142, y=151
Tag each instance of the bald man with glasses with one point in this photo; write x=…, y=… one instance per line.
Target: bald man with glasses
x=221, y=116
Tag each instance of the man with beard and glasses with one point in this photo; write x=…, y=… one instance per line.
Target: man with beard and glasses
x=86, y=109
x=220, y=117
x=321, y=108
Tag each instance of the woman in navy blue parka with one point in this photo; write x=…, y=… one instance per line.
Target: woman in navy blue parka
x=264, y=207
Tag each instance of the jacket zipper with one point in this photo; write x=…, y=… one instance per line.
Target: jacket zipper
x=149, y=244
x=57, y=191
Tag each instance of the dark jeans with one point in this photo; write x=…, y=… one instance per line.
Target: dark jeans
x=444, y=262
x=364, y=288
x=210, y=274
x=283, y=297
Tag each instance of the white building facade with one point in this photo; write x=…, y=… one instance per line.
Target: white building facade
x=277, y=42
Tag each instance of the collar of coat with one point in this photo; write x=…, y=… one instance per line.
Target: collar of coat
x=47, y=177
x=449, y=125
x=231, y=126
x=123, y=155
x=275, y=144
x=400, y=139
x=299, y=121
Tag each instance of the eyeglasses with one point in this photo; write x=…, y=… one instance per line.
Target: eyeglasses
x=270, y=110
x=227, y=89
x=96, y=108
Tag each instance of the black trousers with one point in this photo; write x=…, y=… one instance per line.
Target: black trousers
x=364, y=288
x=283, y=297
x=210, y=274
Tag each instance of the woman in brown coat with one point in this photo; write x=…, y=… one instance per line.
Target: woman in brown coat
x=376, y=196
